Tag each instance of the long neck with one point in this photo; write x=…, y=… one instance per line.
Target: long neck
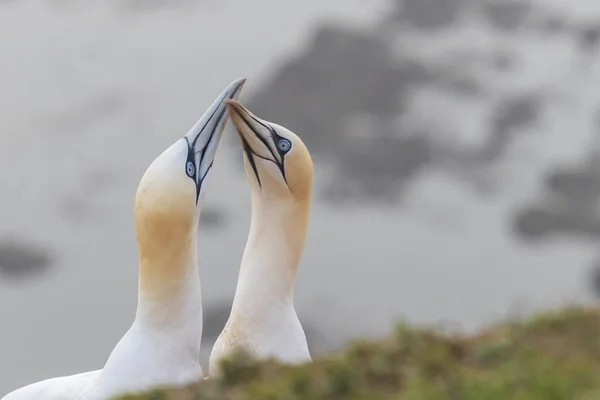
x=169, y=296
x=272, y=255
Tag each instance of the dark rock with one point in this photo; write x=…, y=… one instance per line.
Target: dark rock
x=588, y=36
x=19, y=259
x=429, y=14
x=534, y=223
x=537, y=222
x=212, y=218
x=397, y=162
x=552, y=24
x=461, y=85
x=581, y=187
x=502, y=60
x=515, y=113
x=507, y=15
x=342, y=74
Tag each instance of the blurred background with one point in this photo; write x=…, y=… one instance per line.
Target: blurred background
x=456, y=147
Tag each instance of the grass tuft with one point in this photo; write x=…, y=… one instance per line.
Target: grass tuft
x=550, y=356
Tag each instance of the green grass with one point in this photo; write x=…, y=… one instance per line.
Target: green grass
x=550, y=356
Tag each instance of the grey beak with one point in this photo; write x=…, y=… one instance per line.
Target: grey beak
x=205, y=135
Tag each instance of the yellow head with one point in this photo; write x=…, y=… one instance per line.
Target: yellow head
x=277, y=162
x=170, y=194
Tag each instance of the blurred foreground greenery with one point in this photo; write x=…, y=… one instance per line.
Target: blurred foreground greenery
x=550, y=356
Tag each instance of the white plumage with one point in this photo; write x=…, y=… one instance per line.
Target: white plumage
x=163, y=344
x=280, y=172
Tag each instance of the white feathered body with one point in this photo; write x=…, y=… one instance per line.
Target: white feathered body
x=280, y=337
x=61, y=388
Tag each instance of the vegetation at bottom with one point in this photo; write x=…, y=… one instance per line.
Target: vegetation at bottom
x=550, y=356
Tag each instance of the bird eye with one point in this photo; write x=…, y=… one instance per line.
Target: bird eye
x=190, y=169
x=284, y=145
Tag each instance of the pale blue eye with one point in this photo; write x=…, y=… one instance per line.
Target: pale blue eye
x=284, y=145
x=190, y=169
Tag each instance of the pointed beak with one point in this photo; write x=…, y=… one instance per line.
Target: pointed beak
x=240, y=117
x=254, y=132
x=205, y=135
x=257, y=138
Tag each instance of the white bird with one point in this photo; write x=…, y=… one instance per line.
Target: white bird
x=162, y=347
x=279, y=171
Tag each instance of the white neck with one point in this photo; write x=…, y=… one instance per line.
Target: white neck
x=271, y=257
x=162, y=348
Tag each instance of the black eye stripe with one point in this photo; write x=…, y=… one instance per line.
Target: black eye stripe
x=250, y=153
x=191, y=159
x=208, y=120
x=190, y=156
x=204, y=176
x=249, y=156
x=280, y=165
x=205, y=147
x=259, y=136
x=276, y=139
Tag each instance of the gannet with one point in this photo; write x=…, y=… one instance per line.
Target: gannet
x=279, y=171
x=162, y=347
